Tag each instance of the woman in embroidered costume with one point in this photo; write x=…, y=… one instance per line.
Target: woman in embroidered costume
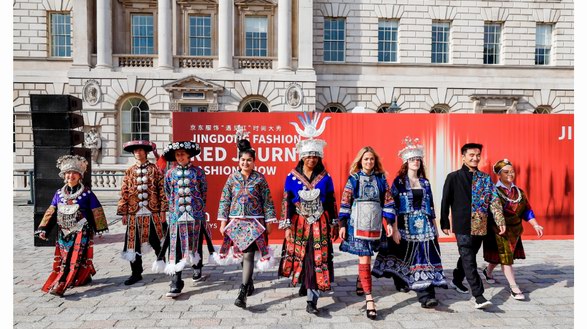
x=142, y=206
x=308, y=215
x=246, y=211
x=185, y=186
x=78, y=215
x=413, y=253
x=503, y=249
x=366, y=208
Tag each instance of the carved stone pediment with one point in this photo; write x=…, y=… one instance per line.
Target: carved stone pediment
x=487, y=103
x=255, y=5
x=192, y=83
x=139, y=3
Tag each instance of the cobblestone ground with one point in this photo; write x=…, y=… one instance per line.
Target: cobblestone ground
x=547, y=276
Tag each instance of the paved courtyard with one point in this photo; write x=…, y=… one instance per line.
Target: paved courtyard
x=547, y=275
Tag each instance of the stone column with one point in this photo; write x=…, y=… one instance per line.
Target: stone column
x=104, y=33
x=81, y=43
x=164, y=35
x=305, y=35
x=284, y=35
x=225, y=32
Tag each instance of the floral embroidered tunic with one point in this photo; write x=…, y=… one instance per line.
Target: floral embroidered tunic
x=246, y=198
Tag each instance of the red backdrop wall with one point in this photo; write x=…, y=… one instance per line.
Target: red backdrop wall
x=540, y=147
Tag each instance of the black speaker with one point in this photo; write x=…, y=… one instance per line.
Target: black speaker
x=55, y=103
x=57, y=137
x=51, y=234
x=65, y=120
x=44, y=191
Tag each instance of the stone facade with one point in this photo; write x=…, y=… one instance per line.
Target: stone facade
x=464, y=85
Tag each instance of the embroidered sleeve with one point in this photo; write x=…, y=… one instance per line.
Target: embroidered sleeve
x=203, y=186
x=268, y=206
x=285, y=220
x=347, y=199
x=495, y=206
x=388, y=203
x=122, y=208
x=330, y=201
x=225, y=200
x=430, y=200
x=160, y=186
x=49, y=218
x=98, y=213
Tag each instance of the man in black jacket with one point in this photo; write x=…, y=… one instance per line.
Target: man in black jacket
x=469, y=195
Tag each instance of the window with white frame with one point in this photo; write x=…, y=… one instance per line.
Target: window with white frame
x=440, y=42
x=142, y=34
x=543, y=44
x=334, y=39
x=134, y=119
x=200, y=35
x=256, y=36
x=387, y=41
x=491, y=43
x=60, y=34
x=334, y=108
x=254, y=104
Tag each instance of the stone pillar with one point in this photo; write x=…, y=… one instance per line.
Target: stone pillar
x=104, y=33
x=305, y=35
x=81, y=42
x=225, y=32
x=164, y=35
x=284, y=35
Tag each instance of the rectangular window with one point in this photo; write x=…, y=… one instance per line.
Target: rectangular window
x=543, y=44
x=200, y=36
x=334, y=37
x=60, y=34
x=440, y=42
x=491, y=43
x=387, y=41
x=256, y=36
x=142, y=34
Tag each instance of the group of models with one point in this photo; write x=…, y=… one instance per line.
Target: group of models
x=163, y=208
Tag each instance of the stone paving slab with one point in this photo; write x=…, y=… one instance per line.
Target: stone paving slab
x=547, y=276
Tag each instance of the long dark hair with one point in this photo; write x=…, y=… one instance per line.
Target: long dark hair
x=403, y=170
x=244, y=147
x=316, y=171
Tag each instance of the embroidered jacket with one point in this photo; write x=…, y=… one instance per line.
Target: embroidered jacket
x=89, y=208
x=470, y=196
x=296, y=182
x=250, y=198
x=351, y=192
x=186, y=189
x=404, y=198
x=142, y=185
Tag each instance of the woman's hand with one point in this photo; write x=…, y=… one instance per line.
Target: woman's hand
x=124, y=220
x=389, y=230
x=288, y=236
x=334, y=232
x=342, y=233
x=539, y=230
x=222, y=227
x=43, y=236
x=396, y=236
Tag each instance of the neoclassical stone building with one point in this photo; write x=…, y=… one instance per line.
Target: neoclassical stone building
x=134, y=62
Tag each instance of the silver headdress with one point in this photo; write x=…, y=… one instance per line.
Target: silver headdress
x=75, y=163
x=412, y=149
x=310, y=146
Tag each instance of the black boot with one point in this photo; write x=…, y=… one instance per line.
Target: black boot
x=311, y=308
x=176, y=285
x=137, y=269
x=241, y=300
x=251, y=288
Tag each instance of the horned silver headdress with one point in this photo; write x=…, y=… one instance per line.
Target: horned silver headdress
x=75, y=163
x=310, y=146
x=412, y=150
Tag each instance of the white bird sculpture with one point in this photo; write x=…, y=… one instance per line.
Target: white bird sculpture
x=310, y=124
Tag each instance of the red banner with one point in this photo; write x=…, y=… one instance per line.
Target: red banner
x=539, y=146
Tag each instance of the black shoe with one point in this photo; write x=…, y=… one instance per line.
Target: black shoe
x=359, y=288
x=133, y=279
x=481, y=302
x=175, y=290
x=403, y=289
x=459, y=286
x=430, y=303
x=303, y=291
x=197, y=276
x=371, y=313
x=311, y=308
x=251, y=288
x=241, y=299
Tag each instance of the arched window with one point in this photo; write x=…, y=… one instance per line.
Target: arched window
x=384, y=108
x=254, y=104
x=134, y=119
x=334, y=108
x=543, y=109
x=440, y=108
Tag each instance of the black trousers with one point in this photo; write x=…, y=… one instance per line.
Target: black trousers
x=467, y=264
x=137, y=266
x=425, y=294
x=209, y=244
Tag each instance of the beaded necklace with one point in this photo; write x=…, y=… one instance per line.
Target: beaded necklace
x=501, y=194
x=65, y=195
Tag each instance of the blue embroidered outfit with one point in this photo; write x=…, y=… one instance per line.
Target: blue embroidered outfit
x=416, y=259
x=248, y=201
x=364, y=187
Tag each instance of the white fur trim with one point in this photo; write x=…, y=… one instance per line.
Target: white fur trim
x=128, y=255
x=169, y=269
x=195, y=258
x=211, y=259
x=265, y=264
x=146, y=248
x=179, y=266
x=158, y=266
